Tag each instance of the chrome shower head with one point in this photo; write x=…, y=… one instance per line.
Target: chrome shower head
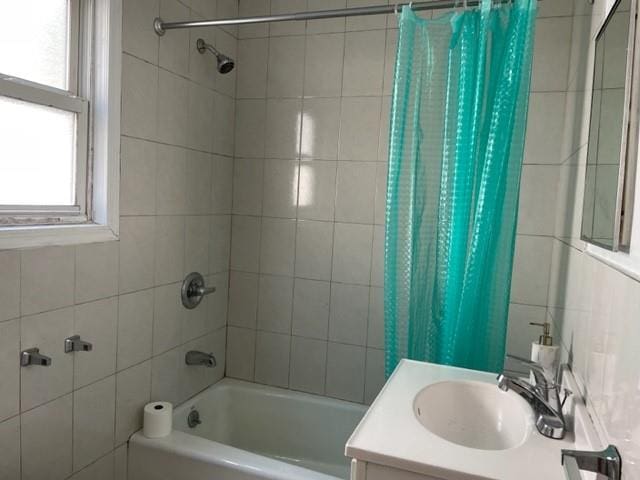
x=225, y=63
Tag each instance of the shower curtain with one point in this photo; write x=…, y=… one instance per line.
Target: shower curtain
x=458, y=122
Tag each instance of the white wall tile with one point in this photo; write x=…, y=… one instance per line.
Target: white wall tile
x=120, y=463
x=375, y=325
x=168, y=314
x=243, y=299
x=252, y=68
x=171, y=180
x=323, y=65
x=133, y=391
x=317, y=190
x=241, y=351
x=96, y=271
x=245, y=246
x=250, y=128
x=97, y=323
x=320, y=128
x=538, y=198
x=311, y=308
x=355, y=192
x=135, y=324
x=200, y=118
x=277, y=246
x=359, y=127
x=284, y=122
x=47, y=275
x=196, y=243
x=174, y=48
x=10, y=447
x=9, y=369
x=363, y=62
x=308, y=365
x=139, y=98
x=280, y=188
x=167, y=374
x=286, y=66
x=198, y=182
x=545, y=126
x=326, y=25
x=531, y=270
x=248, y=178
x=101, y=469
x=551, y=55
x=47, y=332
x=137, y=38
x=173, y=95
x=9, y=285
x=314, y=248
x=169, y=236
x=46, y=445
x=374, y=379
x=94, y=409
x=272, y=359
x=345, y=372
x=137, y=253
x=349, y=313
x=221, y=184
x=287, y=6
x=223, y=124
x=251, y=8
x=219, y=243
x=352, y=253
x=275, y=303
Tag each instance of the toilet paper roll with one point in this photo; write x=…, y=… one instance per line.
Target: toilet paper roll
x=157, y=419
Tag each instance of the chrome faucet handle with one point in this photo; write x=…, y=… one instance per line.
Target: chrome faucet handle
x=194, y=289
x=538, y=371
x=607, y=462
x=32, y=356
x=76, y=344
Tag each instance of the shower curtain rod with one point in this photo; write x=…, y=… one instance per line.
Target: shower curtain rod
x=161, y=26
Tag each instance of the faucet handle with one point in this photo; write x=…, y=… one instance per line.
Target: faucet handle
x=530, y=363
x=607, y=463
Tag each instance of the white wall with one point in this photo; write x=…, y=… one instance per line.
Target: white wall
x=75, y=416
x=313, y=100
x=595, y=308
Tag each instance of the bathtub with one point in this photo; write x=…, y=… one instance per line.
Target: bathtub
x=250, y=431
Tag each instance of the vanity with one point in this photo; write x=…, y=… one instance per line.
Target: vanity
x=435, y=422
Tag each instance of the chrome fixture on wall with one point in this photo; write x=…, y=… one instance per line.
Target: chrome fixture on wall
x=32, y=356
x=607, y=463
x=225, y=63
x=194, y=357
x=76, y=344
x=194, y=289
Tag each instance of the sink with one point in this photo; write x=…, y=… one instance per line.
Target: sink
x=474, y=414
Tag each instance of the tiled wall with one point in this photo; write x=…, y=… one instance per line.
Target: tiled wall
x=594, y=308
x=313, y=99
x=74, y=417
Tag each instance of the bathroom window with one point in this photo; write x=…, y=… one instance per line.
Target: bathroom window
x=59, y=121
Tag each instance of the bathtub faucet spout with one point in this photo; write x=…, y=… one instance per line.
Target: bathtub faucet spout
x=194, y=357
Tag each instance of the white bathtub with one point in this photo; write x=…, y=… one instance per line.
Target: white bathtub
x=250, y=431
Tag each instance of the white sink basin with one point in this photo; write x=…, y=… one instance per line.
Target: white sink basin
x=474, y=414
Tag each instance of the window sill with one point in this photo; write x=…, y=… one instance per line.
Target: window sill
x=621, y=261
x=42, y=236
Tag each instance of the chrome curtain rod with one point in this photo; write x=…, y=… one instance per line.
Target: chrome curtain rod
x=161, y=26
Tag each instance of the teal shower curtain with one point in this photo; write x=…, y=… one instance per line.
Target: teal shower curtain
x=458, y=123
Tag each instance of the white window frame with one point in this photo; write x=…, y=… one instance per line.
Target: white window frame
x=95, y=216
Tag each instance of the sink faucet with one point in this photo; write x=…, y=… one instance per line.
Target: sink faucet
x=543, y=396
x=194, y=357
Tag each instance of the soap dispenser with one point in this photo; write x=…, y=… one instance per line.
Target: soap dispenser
x=544, y=351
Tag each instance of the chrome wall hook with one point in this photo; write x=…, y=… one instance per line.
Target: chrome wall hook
x=32, y=356
x=76, y=344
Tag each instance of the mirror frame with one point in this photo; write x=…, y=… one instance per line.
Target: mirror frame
x=623, y=213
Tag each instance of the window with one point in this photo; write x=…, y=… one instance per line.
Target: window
x=59, y=121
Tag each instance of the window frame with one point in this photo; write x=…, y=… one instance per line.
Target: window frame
x=94, y=95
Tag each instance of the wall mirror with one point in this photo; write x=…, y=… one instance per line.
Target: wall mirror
x=612, y=143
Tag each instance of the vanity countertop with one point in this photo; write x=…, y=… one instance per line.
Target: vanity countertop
x=391, y=435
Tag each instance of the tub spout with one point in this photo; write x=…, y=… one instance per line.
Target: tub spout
x=194, y=357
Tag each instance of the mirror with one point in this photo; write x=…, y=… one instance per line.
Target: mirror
x=610, y=171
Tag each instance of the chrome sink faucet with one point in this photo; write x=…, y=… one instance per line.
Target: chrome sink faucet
x=194, y=357
x=543, y=396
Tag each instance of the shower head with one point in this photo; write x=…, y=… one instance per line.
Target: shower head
x=225, y=63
